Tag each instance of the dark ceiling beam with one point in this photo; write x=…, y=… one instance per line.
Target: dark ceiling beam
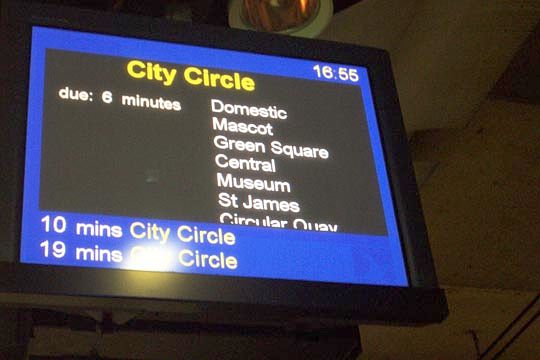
x=521, y=79
x=340, y=5
x=204, y=11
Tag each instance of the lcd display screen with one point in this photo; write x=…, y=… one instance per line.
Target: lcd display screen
x=157, y=156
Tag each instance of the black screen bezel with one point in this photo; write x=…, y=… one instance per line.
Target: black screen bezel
x=421, y=302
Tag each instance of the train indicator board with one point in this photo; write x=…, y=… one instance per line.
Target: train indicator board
x=158, y=156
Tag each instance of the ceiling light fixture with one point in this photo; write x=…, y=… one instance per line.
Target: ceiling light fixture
x=305, y=18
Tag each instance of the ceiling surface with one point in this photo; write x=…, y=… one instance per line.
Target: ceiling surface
x=446, y=55
x=468, y=78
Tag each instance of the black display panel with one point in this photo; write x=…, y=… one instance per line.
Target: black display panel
x=201, y=157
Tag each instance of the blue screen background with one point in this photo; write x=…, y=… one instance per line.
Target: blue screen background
x=261, y=252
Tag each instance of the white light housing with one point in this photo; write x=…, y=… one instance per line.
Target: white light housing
x=304, y=18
